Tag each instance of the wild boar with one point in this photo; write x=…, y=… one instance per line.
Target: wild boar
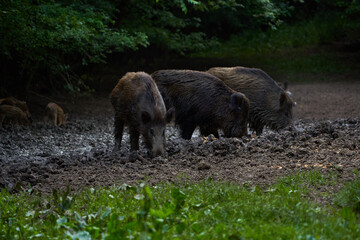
x=14, y=114
x=203, y=100
x=56, y=114
x=138, y=104
x=270, y=105
x=17, y=103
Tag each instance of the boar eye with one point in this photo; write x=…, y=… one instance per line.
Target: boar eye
x=152, y=132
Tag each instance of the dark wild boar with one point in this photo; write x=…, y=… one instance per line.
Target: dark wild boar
x=17, y=103
x=14, y=114
x=203, y=100
x=138, y=104
x=56, y=114
x=270, y=105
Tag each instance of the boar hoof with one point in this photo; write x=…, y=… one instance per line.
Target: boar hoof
x=134, y=155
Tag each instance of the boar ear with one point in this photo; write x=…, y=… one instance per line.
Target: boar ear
x=145, y=117
x=282, y=99
x=285, y=84
x=170, y=115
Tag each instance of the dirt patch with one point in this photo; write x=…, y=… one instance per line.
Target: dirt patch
x=325, y=136
x=326, y=101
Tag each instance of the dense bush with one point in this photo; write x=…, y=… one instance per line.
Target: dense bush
x=44, y=39
x=46, y=43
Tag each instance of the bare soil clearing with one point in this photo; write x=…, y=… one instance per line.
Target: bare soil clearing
x=325, y=136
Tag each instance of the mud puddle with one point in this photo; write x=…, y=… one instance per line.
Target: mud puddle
x=80, y=154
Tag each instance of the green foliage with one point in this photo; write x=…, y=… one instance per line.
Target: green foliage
x=49, y=43
x=67, y=29
x=349, y=196
x=299, y=52
x=207, y=210
x=167, y=26
x=225, y=18
x=51, y=36
x=316, y=31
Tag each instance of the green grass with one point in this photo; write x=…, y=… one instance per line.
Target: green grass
x=303, y=52
x=207, y=210
x=316, y=31
x=349, y=196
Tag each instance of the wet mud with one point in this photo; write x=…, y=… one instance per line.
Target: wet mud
x=325, y=136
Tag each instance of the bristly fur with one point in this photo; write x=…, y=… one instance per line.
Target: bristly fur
x=138, y=104
x=201, y=99
x=13, y=113
x=56, y=114
x=16, y=103
x=264, y=95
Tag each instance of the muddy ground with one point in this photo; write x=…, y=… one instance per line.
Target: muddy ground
x=325, y=136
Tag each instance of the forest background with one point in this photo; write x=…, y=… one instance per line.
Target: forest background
x=84, y=46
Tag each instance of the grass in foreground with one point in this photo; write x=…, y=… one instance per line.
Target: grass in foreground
x=208, y=210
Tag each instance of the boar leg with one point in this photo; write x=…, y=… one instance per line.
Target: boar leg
x=134, y=138
x=119, y=128
x=207, y=130
x=55, y=119
x=259, y=130
x=187, y=129
x=60, y=120
x=256, y=126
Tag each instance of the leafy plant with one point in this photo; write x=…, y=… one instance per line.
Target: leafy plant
x=50, y=37
x=50, y=43
x=204, y=210
x=349, y=196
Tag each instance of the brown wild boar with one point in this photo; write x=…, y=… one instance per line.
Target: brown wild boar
x=55, y=113
x=14, y=114
x=138, y=104
x=17, y=103
x=200, y=99
x=270, y=105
